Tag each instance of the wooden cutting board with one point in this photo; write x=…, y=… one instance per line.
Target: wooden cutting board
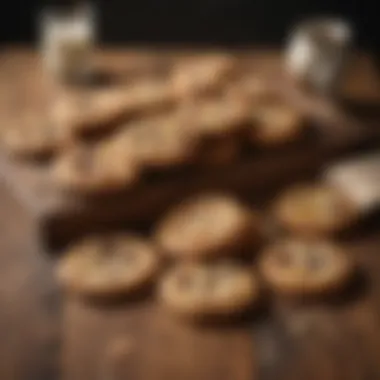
x=334, y=132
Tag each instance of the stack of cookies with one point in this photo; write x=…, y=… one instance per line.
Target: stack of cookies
x=176, y=113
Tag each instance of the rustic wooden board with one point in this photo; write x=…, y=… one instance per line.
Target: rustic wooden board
x=63, y=216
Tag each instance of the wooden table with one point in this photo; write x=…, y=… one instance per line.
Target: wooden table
x=44, y=335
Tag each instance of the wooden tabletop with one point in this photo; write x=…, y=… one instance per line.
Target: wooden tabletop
x=46, y=336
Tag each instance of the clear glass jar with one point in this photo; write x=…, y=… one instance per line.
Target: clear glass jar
x=317, y=50
x=67, y=39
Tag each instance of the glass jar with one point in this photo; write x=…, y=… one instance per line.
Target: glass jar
x=316, y=52
x=67, y=39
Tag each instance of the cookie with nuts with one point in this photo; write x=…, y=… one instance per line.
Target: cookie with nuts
x=314, y=210
x=207, y=226
x=209, y=289
x=108, y=265
x=299, y=267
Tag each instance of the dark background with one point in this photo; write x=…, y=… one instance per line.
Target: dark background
x=199, y=21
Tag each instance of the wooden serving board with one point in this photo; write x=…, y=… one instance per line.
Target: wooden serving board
x=63, y=215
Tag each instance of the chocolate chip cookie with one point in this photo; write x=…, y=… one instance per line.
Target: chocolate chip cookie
x=297, y=267
x=206, y=290
x=208, y=225
x=108, y=265
x=314, y=210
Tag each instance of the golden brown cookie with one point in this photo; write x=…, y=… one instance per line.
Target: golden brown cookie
x=202, y=74
x=95, y=169
x=163, y=141
x=275, y=124
x=217, y=116
x=108, y=265
x=314, y=209
x=205, y=290
x=208, y=225
x=101, y=109
x=34, y=136
x=297, y=267
x=254, y=88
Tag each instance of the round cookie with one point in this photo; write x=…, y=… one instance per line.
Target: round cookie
x=314, y=210
x=95, y=169
x=297, y=267
x=220, y=116
x=100, y=110
x=160, y=141
x=275, y=124
x=206, y=290
x=209, y=225
x=254, y=88
x=199, y=75
x=108, y=265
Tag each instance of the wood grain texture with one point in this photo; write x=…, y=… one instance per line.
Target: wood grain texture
x=45, y=336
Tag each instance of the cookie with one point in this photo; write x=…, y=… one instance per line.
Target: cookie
x=206, y=290
x=253, y=88
x=203, y=74
x=314, y=210
x=34, y=136
x=275, y=124
x=297, y=267
x=102, y=109
x=108, y=265
x=163, y=141
x=94, y=170
x=209, y=225
x=217, y=116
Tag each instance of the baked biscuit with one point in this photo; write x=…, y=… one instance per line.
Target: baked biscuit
x=163, y=141
x=102, y=109
x=206, y=290
x=217, y=116
x=314, y=210
x=108, y=265
x=95, y=169
x=297, y=267
x=208, y=225
x=275, y=124
x=202, y=74
x=253, y=88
